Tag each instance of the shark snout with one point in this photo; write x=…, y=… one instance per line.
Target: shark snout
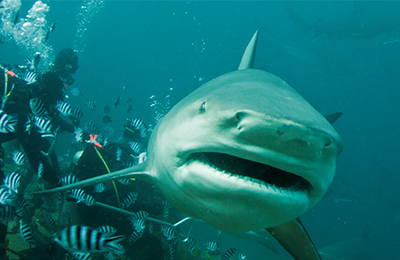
x=293, y=138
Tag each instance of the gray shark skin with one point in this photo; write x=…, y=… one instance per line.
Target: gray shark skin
x=361, y=24
x=242, y=152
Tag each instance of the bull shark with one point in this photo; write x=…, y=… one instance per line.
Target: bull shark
x=362, y=24
x=242, y=152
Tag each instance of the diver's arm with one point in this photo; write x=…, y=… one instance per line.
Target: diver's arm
x=64, y=125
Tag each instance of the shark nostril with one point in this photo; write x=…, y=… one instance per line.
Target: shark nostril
x=238, y=118
x=328, y=144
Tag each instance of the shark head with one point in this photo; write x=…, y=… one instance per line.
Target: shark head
x=244, y=152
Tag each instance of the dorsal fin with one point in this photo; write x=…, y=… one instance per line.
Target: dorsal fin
x=247, y=61
x=333, y=117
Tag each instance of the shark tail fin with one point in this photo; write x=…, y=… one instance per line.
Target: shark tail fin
x=138, y=172
x=247, y=61
x=302, y=25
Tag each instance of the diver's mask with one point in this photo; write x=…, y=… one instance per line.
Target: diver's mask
x=68, y=80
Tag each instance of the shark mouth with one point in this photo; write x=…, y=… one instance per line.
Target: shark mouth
x=257, y=172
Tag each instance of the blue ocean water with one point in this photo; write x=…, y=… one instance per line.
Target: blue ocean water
x=169, y=48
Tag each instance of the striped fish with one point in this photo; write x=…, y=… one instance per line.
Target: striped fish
x=89, y=201
x=124, y=181
x=40, y=170
x=21, y=203
x=18, y=157
x=67, y=180
x=143, y=132
x=89, y=104
x=138, y=230
x=8, y=213
x=29, y=77
x=212, y=248
x=7, y=123
x=139, y=225
x=50, y=221
x=82, y=256
x=29, y=123
x=78, y=133
x=99, y=187
x=77, y=113
x=6, y=196
x=170, y=234
x=166, y=207
x=92, y=127
x=129, y=200
x=171, y=251
x=119, y=139
x=228, y=254
x=241, y=257
x=107, y=230
x=83, y=239
x=64, y=108
x=193, y=251
x=135, y=147
x=140, y=215
x=134, y=236
x=190, y=241
x=78, y=194
x=78, y=145
x=76, y=92
x=25, y=233
x=44, y=124
x=118, y=154
x=37, y=107
x=136, y=123
x=12, y=181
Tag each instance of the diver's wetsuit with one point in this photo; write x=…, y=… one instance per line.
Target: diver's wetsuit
x=48, y=90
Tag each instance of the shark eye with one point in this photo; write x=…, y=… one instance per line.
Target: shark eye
x=202, y=108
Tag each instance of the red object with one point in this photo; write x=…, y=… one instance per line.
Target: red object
x=94, y=141
x=12, y=74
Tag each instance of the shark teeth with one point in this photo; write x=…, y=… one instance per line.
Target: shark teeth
x=254, y=173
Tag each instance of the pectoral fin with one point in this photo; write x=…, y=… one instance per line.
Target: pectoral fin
x=294, y=238
x=138, y=172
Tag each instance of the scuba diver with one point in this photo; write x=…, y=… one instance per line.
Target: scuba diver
x=30, y=103
x=65, y=64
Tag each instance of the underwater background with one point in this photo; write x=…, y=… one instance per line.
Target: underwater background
x=163, y=50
